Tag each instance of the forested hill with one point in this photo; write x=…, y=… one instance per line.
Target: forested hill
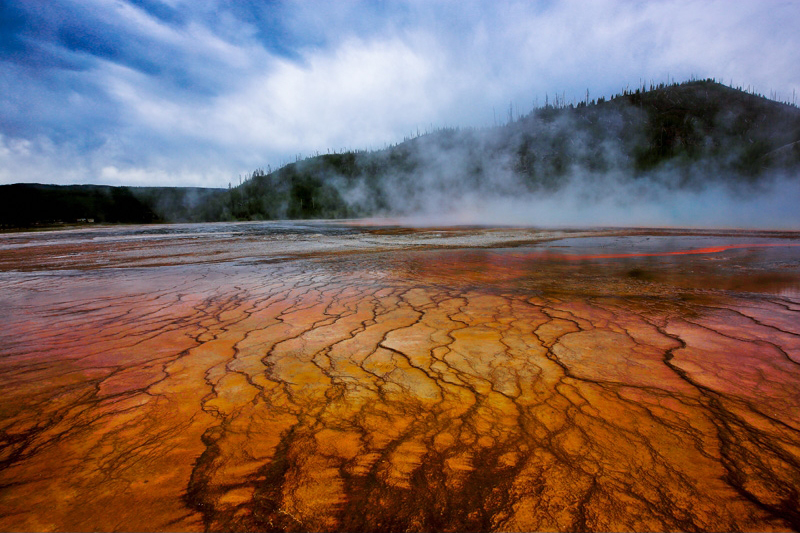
x=685, y=136
x=30, y=204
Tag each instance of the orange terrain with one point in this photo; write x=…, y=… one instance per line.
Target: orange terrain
x=425, y=390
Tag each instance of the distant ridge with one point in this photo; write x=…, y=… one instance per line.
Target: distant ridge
x=31, y=204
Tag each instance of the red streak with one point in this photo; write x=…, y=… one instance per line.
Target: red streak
x=697, y=251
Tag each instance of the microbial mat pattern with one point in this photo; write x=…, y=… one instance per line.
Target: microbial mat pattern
x=446, y=390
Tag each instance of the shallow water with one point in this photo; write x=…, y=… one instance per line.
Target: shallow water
x=325, y=377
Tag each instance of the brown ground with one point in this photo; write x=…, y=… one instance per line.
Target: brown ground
x=447, y=390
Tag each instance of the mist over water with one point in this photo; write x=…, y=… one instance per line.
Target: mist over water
x=723, y=160
x=476, y=185
x=584, y=204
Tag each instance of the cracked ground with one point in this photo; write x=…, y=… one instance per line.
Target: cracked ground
x=504, y=389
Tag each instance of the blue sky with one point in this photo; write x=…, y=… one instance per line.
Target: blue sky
x=197, y=92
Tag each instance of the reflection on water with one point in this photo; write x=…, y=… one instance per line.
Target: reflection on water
x=621, y=266
x=448, y=390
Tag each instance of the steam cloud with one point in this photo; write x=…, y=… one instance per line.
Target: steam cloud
x=559, y=171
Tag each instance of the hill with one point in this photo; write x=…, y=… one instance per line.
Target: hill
x=29, y=204
x=689, y=136
x=684, y=136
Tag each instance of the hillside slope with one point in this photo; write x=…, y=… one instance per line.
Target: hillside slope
x=685, y=136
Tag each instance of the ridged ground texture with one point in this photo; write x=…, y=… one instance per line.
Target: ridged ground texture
x=439, y=390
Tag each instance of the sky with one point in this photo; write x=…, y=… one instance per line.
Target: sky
x=200, y=92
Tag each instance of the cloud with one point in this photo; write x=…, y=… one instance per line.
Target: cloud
x=192, y=92
x=357, y=95
x=42, y=161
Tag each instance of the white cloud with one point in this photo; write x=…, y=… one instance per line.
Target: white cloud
x=42, y=161
x=157, y=176
x=38, y=161
x=360, y=94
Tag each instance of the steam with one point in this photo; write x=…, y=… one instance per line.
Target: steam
x=560, y=172
x=584, y=204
